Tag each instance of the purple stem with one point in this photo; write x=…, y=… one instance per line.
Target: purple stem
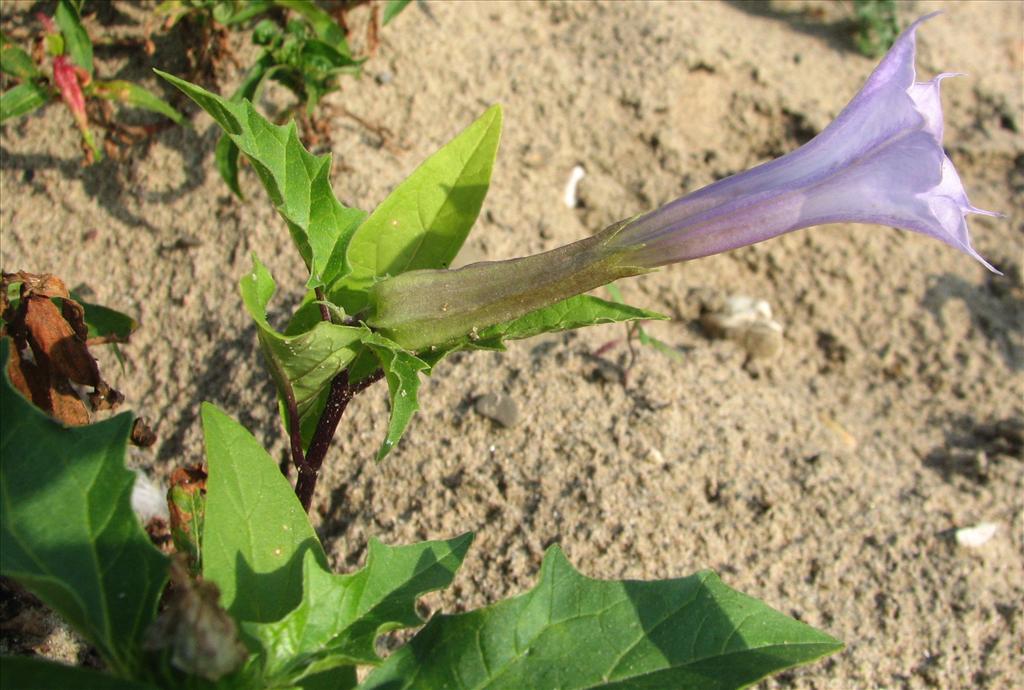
x=340, y=395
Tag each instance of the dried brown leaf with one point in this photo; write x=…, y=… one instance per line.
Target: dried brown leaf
x=142, y=434
x=186, y=503
x=199, y=634
x=60, y=357
x=53, y=339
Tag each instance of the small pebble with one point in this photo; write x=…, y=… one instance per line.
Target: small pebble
x=748, y=322
x=384, y=77
x=535, y=156
x=978, y=535
x=606, y=371
x=499, y=408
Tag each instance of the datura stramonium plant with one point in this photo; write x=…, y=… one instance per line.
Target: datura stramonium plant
x=881, y=161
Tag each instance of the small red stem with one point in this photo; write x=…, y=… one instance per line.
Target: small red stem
x=340, y=396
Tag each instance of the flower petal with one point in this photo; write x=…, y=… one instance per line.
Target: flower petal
x=881, y=161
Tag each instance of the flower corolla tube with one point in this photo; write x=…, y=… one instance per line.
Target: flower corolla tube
x=881, y=161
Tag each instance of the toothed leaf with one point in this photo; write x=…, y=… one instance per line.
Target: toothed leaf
x=305, y=363
x=340, y=616
x=402, y=372
x=70, y=535
x=573, y=632
x=298, y=182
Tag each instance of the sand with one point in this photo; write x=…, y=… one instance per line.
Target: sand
x=828, y=480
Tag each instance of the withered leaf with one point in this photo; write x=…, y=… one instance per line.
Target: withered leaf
x=56, y=338
x=186, y=503
x=57, y=398
x=142, y=434
x=200, y=636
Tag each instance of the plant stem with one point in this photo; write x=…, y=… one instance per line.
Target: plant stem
x=294, y=433
x=325, y=313
x=340, y=396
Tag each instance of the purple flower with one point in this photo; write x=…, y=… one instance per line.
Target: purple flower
x=881, y=161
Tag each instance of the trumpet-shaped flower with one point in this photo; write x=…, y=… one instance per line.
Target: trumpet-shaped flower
x=881, y=161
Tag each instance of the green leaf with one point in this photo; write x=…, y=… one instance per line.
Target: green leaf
x=226, y=154
x=255, y=533
x=244, y=11
x=33, y=673
x=425, y=220
x=571, y=313
x=337, y=678
x=22, y=99
x=104, y=322
x=54, y=44
x=298, y=182
x=340, y=616
x=574, y=312
x=134, y=95
x=76, y=40
x=321, y=60
x=225, y=157
x=306, y=316
x=402, y=371
x=15, y=61
x=392, y=9
x=303, y=364
x=69, y=533
x=324, y=26
x=573, y=632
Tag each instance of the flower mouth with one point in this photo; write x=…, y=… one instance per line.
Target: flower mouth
x=881, y=161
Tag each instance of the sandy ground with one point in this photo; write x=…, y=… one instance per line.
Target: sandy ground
x=828, y=480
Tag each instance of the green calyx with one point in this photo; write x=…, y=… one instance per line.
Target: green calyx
x=419, y=309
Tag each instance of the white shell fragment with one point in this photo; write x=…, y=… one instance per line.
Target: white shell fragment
x=977, y=535
x=577, y=174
